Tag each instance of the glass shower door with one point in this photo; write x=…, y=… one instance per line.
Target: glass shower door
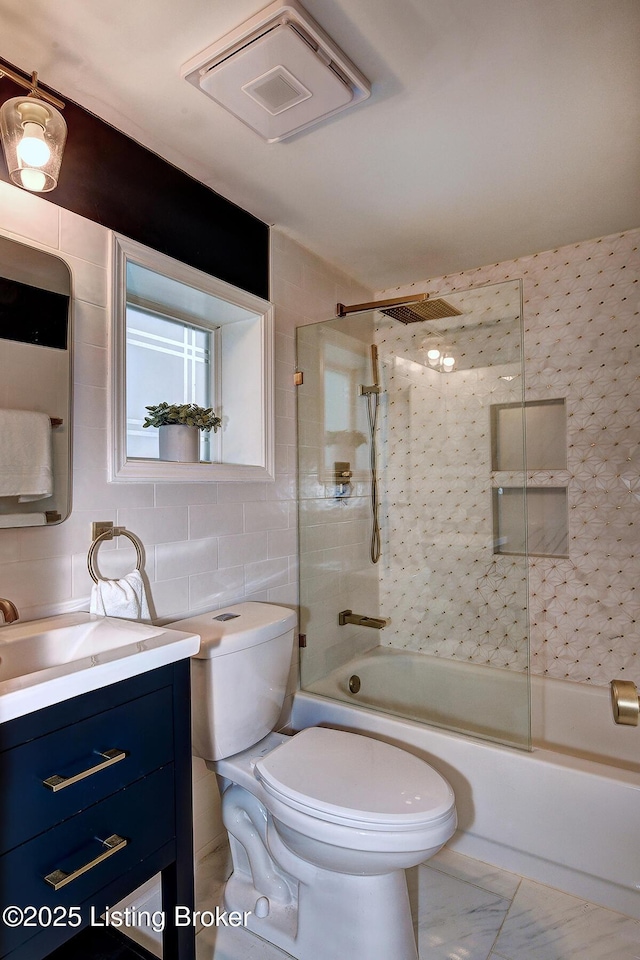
x=444, y=639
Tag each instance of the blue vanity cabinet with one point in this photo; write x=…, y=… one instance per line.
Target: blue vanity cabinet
x=95, y=799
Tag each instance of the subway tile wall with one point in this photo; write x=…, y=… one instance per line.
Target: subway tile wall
x=207, y=544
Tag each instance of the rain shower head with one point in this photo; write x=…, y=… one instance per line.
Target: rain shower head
x=405, y=309
x=423, y=310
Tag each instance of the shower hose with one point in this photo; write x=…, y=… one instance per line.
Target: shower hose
x=373, y=399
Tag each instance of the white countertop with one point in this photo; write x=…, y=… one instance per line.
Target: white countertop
x=43, y=662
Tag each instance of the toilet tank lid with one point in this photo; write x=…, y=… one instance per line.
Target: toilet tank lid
x=237, y=627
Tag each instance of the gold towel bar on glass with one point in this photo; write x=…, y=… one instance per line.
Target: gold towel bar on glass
x=625, y=702
x=105, y=530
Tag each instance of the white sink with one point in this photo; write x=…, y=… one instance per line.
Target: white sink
x=46, y=661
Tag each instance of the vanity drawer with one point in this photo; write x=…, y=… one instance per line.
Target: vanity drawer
x=141, y=815
x=88, y=761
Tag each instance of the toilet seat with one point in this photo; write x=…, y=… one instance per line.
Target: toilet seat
x=354, y=781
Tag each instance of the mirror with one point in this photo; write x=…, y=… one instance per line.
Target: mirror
x=184, y=337
x=345, y=365
x=35, y=387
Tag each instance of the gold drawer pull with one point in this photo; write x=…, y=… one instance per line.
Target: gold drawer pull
x=56, y=782
x=59, y=878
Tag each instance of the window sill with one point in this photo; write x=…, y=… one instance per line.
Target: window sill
x=166, y=470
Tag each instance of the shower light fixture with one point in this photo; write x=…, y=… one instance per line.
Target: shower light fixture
x=33, y=135
x=439, y=356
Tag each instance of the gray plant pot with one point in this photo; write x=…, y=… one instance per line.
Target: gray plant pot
x=179, y=442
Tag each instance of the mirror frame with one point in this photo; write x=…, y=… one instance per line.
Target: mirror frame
x=62, y=439
x=125, y=468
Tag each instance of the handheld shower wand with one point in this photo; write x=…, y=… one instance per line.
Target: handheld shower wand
x=372, y=393
x=375, y=387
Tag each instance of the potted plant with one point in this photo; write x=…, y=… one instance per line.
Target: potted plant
x=179, y=426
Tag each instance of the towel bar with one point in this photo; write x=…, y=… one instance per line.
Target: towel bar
x=107, y=531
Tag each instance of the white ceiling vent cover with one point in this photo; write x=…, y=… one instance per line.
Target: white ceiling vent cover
x=279, y=73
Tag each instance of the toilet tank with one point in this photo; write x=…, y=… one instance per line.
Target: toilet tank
x=239, y=676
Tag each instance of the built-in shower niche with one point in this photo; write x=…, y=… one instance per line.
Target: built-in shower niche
x=533, y=437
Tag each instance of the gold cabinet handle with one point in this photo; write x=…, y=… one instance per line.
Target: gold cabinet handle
x=109, y=757
x=112, y=844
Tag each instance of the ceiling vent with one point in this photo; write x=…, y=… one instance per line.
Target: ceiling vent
x=279, y=73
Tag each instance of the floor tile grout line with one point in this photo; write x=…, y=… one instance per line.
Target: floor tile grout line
x=504, y=920
x=478, y=886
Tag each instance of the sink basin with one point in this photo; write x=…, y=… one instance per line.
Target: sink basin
x=43, y=662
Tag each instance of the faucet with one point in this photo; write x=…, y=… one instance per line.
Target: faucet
x=346, y=616
x=9, y=611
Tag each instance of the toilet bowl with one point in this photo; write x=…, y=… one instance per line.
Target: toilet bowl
x=323, y=823
x=353, y=804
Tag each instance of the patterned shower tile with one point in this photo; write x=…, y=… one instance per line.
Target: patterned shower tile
x=580, y=344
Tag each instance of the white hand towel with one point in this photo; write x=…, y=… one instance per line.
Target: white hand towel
x=125, y=598
x=22, y=519
x=25, y=464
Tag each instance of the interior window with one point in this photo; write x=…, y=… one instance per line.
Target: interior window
x=183, y=336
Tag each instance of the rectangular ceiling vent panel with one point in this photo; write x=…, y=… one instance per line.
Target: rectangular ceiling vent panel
x=279, y=73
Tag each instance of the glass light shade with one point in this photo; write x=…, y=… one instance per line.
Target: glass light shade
x=432, y=350
x=33, y=137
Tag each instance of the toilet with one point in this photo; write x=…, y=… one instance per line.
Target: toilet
x=322, y=824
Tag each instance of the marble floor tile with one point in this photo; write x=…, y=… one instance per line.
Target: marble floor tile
x=211, y=874
x=227, y=943
x=463, y=909
x=455, y=918
x=546, y=924
x=481, y=874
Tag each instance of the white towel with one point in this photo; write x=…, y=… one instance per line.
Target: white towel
x=22, y=519
x=126, y=598
x=25, y=455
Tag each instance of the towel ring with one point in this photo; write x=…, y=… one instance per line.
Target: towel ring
x=109, y=535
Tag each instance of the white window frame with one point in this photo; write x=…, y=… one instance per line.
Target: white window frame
x=259, y=356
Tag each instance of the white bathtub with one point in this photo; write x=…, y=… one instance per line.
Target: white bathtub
x=490, y=702
x=555, y=814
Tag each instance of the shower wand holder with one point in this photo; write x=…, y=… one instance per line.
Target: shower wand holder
x=365, y=391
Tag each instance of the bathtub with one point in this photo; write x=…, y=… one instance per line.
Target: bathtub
x=489, y=702
x=566, y=813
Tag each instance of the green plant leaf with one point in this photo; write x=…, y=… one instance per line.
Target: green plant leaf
x=190, y=414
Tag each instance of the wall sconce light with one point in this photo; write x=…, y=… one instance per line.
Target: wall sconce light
x=33, y=135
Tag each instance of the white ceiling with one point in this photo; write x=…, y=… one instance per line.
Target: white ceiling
x=496, y=128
